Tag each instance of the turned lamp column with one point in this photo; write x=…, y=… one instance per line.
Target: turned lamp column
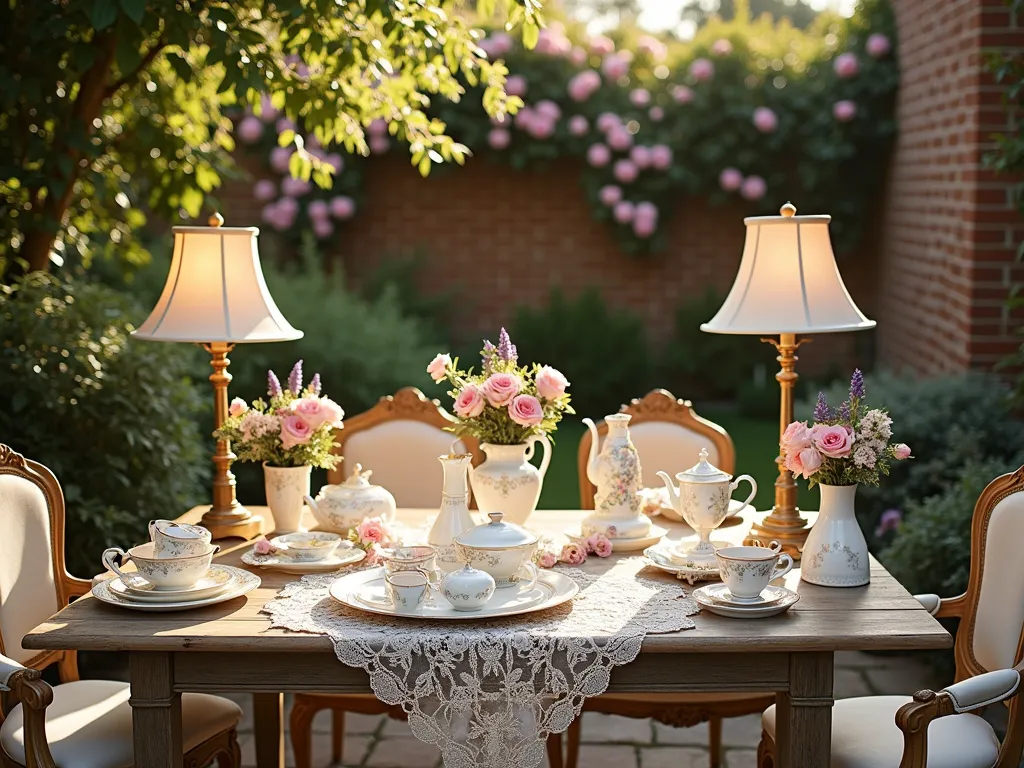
x=787, y=284
x=215, y=296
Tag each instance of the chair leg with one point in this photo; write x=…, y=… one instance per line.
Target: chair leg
x=301, y=726
x=766, y=752
x=337, y=734
x=232, y=756
x=554, y=749
x=572, y=747
x=715, y=741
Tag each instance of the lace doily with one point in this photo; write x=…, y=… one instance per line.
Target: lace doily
x=490, y=693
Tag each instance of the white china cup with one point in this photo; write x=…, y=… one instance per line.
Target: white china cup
x=508, y=567
x=408, y=590
x=746, y=571
x=161, y=572
x=171, y=539
x=416, y=558
x=308, y=547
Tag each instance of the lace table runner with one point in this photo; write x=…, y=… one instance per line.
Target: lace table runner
x=489, y=693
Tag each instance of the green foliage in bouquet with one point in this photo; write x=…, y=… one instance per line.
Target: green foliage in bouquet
x=505, y=403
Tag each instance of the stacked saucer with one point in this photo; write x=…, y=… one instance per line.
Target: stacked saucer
x=130, y=590
x=772, y=600
x=304, y=552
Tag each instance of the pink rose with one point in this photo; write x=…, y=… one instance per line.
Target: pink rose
x=619, y=139
x=625, y=171
x=641, y=156
x=753, y=188
x=373, y=554
x=515, y=85
x=294, y=431
x=551, y=383
x=379, y=144
x=702, y=70
x=318, y=209
x=803, y=463
x=610, y=194
x=796, y=437
x=608, y=121
x=548, y=109
x=623, y=212
x=721, y=47
x=599, y=544
x=333, y=413
x=547, y=559
x=765, y=120
x=249, y=130
x=601, y=45
x=644, y=228
x=280, y=157
x=834, y=441
x=312, y=411
x=470, y=402
x=583, y=85
x=264, y=547
x=877, y=45
x=264, y=190
x=661, y=157
x=730, y=179
x=844, y=111
x=901, y=451
x=292, y=187
x=541, y=127
x=615, y=66
x=573, y=554
x=377, y=127
x=652, y=46
x=578, y=125
x=373, y=530
x=526, y=411
x=657, y=114
x=342, y=207
x=846, y=65
x=640, y=97
x=238, y=407
x=499, y=138
x=578, y=56
x=598, y=155
x=439, y=366
x=682, y=94
x=500, y=388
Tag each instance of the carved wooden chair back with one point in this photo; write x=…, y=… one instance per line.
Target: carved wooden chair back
x=668, y=435
x=34, y=583
x=400, y=439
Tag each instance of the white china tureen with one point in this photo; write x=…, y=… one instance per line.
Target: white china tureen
x=467, y=589
x=502, y=549
x=340, y=508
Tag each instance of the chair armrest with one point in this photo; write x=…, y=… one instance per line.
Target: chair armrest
x=976, y=692
x=943, y=607
x=76, y=587
x=26, y=686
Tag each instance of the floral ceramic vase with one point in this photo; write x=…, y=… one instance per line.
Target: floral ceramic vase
x=507, y=482
x=287, y=488
x=836, y=553
x=454, y=517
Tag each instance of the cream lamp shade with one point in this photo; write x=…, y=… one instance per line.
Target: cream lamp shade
x=788, y=281
x=215, y=292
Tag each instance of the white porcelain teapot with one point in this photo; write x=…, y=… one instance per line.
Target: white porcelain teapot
x=341, y=507
x=702, y=500
x=614, y=469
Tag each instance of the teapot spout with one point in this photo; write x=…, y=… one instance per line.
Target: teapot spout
x=311, y=503
x=673, y=490
x=595, y=446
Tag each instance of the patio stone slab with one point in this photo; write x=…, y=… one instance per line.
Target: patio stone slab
x=601, y=756
x=403, y=753
x=741, y=758
x=614, y=728
x=696, y=735
x=671, y=757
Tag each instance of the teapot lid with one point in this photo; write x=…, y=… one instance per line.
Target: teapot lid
x=358, y=480
x=703, y=472
x=496, y=534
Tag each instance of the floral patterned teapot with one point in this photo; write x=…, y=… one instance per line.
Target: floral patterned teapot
x=615, y=471
x=342, y=507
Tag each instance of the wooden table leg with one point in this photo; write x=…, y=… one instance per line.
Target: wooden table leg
x=268, y=724
x=803, y=726
x=156, y=710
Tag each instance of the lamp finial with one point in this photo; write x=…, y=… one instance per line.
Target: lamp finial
x=216, y=220
x=788, y=210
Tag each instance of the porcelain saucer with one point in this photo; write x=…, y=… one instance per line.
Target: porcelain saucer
x=622, y=544
x=135, y=587
x=743, y=611
x=242, y=582
x=770, y=595
x=279, y=562
x=660, y=556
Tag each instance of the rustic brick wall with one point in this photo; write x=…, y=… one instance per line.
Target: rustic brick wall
x=949, y=229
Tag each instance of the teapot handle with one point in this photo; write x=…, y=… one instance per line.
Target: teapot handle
x=531, y=444
x=753, y=488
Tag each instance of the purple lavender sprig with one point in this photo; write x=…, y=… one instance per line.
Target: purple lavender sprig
x=295, y=378
x=487, y=356
x=314, y=384
x=273, y=384
x=857, y=385
x=506, y=349
x=844, y=413
x=822, y=412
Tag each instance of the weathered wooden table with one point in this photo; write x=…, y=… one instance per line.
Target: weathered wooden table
x=232, y=647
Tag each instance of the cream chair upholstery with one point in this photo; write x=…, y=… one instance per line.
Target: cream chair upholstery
x=938, y=730
x=81, y=724
x=668, y=435
x=400, y=439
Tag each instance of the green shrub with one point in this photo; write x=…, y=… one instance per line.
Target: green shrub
x=397, y=274
x=119, y=421
x=947, y=421
x=931, y=550
x=604, y=353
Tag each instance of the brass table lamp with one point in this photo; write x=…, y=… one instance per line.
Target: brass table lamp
x=787, y=285
x=215, y=296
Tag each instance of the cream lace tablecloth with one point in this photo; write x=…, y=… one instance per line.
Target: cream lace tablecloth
x=489, y=693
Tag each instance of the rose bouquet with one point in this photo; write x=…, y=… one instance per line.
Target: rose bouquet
x=294, y=429
x=847, y=445
x=506, y=402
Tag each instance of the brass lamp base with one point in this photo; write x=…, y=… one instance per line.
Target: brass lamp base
x=790, y=533
x=245, y=526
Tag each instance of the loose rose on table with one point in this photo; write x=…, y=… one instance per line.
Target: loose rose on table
x=846, y=445
x=372, y=535
x=505, y=403
x=575, y=552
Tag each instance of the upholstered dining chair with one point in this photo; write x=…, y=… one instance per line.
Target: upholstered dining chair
x=942, y=729
x=668, y=435
x=79, y=723
x=399, y=439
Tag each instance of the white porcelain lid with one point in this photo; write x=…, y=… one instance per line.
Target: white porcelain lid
x=703, y=472
x=496, y=534
x=356, y=482
x=467, y=574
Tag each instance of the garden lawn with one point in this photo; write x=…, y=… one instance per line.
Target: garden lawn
x=756, y=441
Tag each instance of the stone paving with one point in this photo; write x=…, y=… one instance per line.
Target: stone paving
x=609, y=741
